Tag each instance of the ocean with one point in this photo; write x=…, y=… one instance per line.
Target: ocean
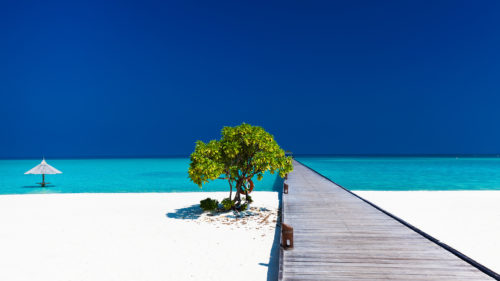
x=409, y=173
x=170, y=174
x=113, y=175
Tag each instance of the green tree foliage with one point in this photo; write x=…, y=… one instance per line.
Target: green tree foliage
x=243, y=152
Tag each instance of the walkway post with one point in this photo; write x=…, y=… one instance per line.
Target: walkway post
x=287, y=236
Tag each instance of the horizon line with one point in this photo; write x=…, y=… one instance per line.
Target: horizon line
x=293, y=154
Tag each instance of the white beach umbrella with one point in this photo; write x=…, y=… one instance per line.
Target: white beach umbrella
x=43, y=169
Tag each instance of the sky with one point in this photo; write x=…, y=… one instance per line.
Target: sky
x=149, y=78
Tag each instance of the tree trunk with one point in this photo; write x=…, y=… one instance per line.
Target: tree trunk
x=237, y=198
x=245, y=183
x=230, y=190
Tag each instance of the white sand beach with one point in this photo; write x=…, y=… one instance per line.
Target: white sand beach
x=469, y=221
x=134, y=236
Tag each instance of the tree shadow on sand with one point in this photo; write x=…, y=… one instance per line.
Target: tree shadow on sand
x=188, y=213
x=194, y=212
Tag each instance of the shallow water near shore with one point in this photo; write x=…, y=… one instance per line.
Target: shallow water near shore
x=409, y=173
x=170, y=174
x=113, y=176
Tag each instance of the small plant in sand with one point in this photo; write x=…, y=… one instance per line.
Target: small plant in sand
x=209, y=204
x=227, y=204
x=242, y=153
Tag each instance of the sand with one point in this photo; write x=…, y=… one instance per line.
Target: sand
x=146, y=236
x=469, y=221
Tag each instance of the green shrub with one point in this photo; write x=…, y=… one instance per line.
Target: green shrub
x=227, y=204
x=209, y=204
x=243, y=207
x=248, y=199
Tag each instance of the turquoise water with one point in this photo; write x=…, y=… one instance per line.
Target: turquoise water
x=170, y=174
x=409, y=173
x=112, y=175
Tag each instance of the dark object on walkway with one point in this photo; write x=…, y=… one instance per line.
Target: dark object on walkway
x=287, y=236
x=285, y=188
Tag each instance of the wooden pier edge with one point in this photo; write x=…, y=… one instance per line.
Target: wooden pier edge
x=282, y=213
x=450, y=249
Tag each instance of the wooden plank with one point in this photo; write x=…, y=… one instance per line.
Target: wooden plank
x=338, y=236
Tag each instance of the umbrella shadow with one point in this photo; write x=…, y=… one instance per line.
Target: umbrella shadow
x=188, y=213
x=37, y=186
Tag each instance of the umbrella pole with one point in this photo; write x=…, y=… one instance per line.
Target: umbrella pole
x=43, y=180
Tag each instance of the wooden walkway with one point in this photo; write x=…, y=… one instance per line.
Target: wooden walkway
x=338, y=236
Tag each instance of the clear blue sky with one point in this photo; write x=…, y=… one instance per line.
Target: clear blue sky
x=80, y=78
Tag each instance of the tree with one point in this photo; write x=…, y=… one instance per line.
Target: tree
x=243, y=152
